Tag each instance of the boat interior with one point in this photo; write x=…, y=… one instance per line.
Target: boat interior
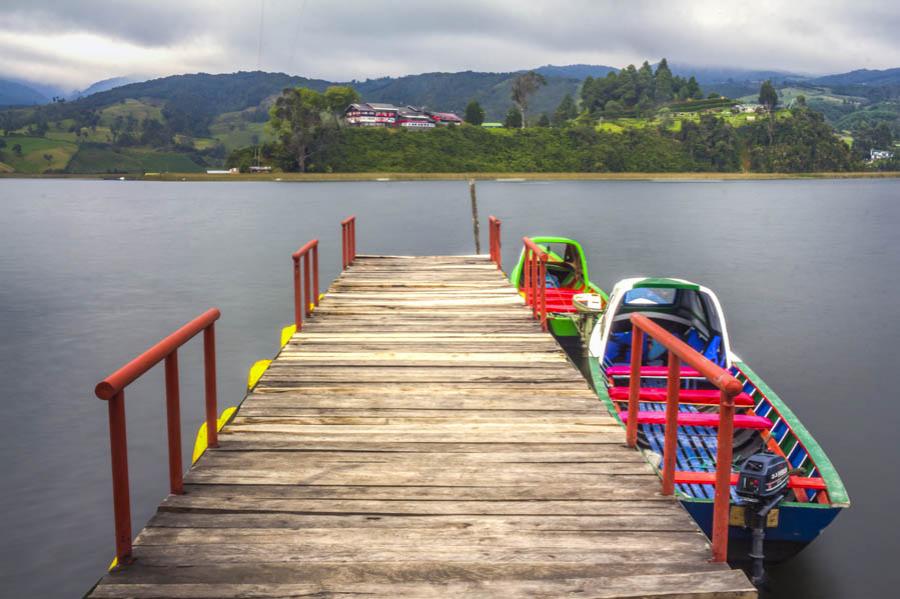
x=566, y=274
x=692, y=316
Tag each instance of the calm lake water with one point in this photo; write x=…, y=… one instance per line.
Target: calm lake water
x=92, y=272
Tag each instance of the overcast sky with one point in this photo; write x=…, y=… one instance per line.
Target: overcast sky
x=76, y=42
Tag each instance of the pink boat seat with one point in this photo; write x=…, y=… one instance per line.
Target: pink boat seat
x=708, y=397
x=701, y=419
x=651, y=371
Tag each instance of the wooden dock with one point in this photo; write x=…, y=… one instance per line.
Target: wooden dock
x=422, y=437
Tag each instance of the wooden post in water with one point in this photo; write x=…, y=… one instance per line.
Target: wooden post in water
x=475, y=216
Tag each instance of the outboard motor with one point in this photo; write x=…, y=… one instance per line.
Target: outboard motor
x=762, y=484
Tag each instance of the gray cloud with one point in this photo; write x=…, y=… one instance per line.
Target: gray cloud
x=77, y=42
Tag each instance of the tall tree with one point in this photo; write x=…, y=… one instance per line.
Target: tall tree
x=338, y=98
x=566, y=111
x=768, y=97
x=296, y=120
x=662, y=81
x=474, y=113
x=524, y=86
x=513, y=118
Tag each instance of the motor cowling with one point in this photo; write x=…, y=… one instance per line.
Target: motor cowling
x=762, y=476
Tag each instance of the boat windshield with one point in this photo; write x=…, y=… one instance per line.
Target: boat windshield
x=689, y=314
x=649, y=297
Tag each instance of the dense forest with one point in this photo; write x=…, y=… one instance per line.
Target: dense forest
x=637, y=91
x=801, y=141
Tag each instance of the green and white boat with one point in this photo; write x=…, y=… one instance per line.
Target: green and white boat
x=764, y=427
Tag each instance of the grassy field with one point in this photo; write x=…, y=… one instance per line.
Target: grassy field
x=675, y=120
x=136, y=108
x=96, y=159
x=234, y=131
x=33, y=150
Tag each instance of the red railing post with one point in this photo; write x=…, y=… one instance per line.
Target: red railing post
x=542, y=281
x=526, y=275
x=348, y=240
x=118, y=447
x=315, y=259
x=722, y=499
x=534, y=285
x=670, y=446
x=209, y=375
x=306, y=285
x=298, y=309
x=173, y=420
x=494, y=232
x=634, y=385
x=304, y=300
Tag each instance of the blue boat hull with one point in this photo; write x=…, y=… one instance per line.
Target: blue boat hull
x=798, y=525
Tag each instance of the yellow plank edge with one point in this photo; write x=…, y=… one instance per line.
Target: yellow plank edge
x=256, y=372
x=200, y=441
x=286, y=334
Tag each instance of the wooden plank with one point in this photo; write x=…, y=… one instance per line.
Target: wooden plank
x=722, y=584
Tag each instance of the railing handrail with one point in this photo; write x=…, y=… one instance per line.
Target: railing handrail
x=348, y=241
x=127, y=374
x=112, y=390
x=534, y=247
x=728, y=386
x=494, y=236
x=306, y=248
x=306, y=296
x=714, y=373
x=534, y=279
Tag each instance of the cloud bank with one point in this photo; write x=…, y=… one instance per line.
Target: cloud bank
x=74, y=43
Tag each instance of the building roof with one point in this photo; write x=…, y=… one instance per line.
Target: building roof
x=446, y=116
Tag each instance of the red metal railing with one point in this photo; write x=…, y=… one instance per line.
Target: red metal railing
x=728, y=386
x=112, y=389
x=494, y=237
x=304, y=302
x=534, y=280
x=348, y=241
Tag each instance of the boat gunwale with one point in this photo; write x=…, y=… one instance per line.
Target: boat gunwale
x=837, y=494
x=516, y=274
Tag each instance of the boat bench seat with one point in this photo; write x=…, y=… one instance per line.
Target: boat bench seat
x=708, y=397
x=651, y=371
x=559, y=299
x=701, y=419
x=709, y=478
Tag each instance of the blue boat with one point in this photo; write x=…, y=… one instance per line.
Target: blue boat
x=764, y=426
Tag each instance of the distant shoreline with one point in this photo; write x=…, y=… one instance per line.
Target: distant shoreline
x=511, y=177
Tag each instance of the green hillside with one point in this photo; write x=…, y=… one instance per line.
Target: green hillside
x=203, y=118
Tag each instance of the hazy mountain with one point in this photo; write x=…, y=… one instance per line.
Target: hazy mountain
x=861, y=77
x=104, y=85
x=576, y=71
x=13, y=93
